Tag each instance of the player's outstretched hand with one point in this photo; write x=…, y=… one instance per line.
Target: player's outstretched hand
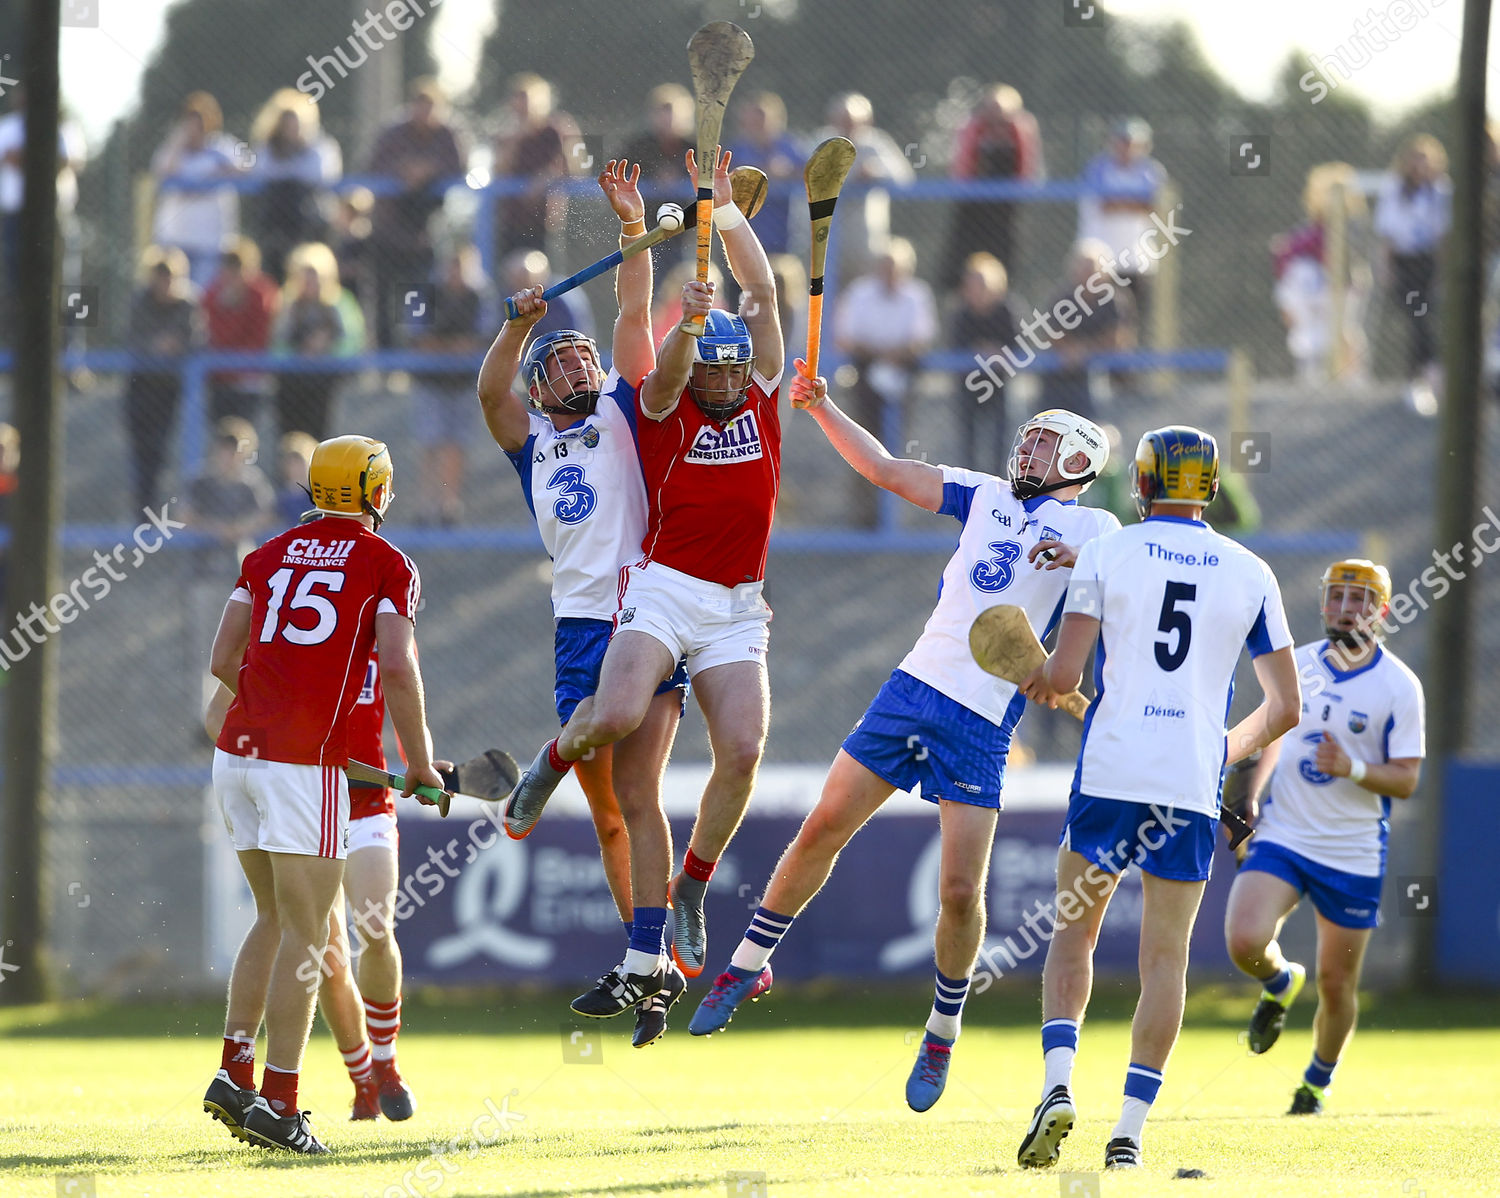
x=697, y=300
x=530, y=305
x=620, y=181
x=807, y=393
x=1053, y=555
x=723, y=188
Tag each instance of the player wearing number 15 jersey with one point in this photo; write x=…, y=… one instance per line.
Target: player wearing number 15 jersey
x=293, y=645
x=1170, y=603
x=1325, y=817
x=940, y=721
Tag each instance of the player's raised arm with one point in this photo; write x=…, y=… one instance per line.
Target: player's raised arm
x=633, y=351
x=751, y=269
x=663, y=387
x=917, y=482
x=504, y=411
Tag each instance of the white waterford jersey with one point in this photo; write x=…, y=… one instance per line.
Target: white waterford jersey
x=989, y=568
x=585, y=488
x=1375, y=713
x=1177, y=602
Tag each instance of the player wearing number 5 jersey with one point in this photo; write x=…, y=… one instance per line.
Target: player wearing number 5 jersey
x=1324, y=820
x=1170, y=603
x=293, y=645
x=575, y=453
x=940, y=720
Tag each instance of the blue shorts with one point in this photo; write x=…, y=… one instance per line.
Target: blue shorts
x=1164, y=842
x=913, y=733
x=1349, y=900
x=579, y=646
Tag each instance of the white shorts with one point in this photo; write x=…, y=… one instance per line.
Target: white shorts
x=283, y=808
x=373, y=832
x=708, y=624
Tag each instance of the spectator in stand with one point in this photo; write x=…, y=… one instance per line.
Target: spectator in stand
x=200, y=222
x=884, y=321
x=761, y=140
x=352, y=228
x=791, y=297
x=419, y=151
x=231, y=501
x=662, y=146
x=523, y=269
x=864, y=221
x=1304, y=292
x=70, y=153
x=295, y=163
x=310, y=325
x=239, y=309
x=539, y=144
x=982, y=323
x=294, y=457
x=443, y=402
x=1124, y=184
x=1102, y=319
x=1412, y=215
x=1000, y=140
x=163, y=327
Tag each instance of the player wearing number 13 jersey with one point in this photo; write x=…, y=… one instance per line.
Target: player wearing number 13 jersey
x=1170, y=603
x=293, y=646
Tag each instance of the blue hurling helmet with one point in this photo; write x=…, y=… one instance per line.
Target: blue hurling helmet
x=725, y=340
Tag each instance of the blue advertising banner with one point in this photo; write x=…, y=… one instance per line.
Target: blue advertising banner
x=1465, y=898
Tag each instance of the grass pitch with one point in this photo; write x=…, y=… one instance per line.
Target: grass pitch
x=802, y=1096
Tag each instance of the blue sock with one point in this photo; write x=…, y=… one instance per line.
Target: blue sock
x=761, y=938
x=628, y=931
x=1320, y=1072
x=1143, y=1082
x=1277, y=982
x=947, y=1008
x=1059, y=1033
x=646, y=930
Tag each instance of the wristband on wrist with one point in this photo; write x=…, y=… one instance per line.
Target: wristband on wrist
x=633, y=228
x=1356, y=770
x=728, y=216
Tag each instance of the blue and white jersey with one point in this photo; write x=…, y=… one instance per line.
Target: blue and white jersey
x=1375, y=713
x=585, y=488
x=989, y=568
x=1176, y=601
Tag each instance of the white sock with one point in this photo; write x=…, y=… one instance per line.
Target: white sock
x=1132, y=1120
x=1059, y=1065
x=751, y=956
x=942, y=1025
x=638, y=962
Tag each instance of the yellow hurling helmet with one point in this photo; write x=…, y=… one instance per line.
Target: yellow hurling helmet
x=1357, y=571
x=1176, y=464
x=347, y=472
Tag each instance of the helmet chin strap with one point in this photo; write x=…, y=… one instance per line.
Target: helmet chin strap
x=1022, y=489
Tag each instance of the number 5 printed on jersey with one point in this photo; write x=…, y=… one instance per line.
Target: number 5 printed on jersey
x=997, y=572
x=578, y=499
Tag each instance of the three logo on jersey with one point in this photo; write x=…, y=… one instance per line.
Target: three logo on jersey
x=737, y=441
x=995, y=573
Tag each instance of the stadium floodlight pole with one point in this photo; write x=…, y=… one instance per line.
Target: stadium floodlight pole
x=31, y=699
x=1460, y=436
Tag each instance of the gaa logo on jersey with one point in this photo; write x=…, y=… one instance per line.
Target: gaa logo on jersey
x=1358, y=721
x=737, y=441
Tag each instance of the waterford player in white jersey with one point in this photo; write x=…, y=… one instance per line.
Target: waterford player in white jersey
x=940, y=720
x=575, y=452
x=1325, y=817
x=1171, y=603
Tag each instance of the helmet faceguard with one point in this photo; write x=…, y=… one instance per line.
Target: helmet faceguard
x=560, y=383
x=1029, y=469
x=1176, y=464
x=723, y=362
x=1353, y=596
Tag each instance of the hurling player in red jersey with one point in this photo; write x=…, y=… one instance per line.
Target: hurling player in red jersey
x=710, y=444
x=310, y=606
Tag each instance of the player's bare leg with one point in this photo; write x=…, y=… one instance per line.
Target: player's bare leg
x=1341, y=958
x=640, y=764
x=851, y=795
x=736, y=702
x=1258, y=905
x=1067, y=981
x=232, y=1091
x=596, y=777
x=968, y=837
x=371, y=879
x=634, y=664
x=344, y=1013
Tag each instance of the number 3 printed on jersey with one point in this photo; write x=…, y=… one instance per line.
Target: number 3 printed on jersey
x=303, y=598
x=998, y=572
x=578, y=499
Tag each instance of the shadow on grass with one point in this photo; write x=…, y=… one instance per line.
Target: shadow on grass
x=803, y=1007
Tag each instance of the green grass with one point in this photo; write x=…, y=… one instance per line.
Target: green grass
x=806, y=1088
